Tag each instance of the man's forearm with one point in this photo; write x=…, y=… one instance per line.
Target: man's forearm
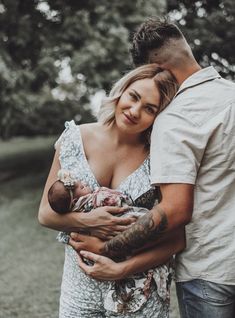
x=154, y=256
x=150, y=226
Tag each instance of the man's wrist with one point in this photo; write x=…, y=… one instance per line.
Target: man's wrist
x=123, y=269
x=104, y=250
x=81, y=220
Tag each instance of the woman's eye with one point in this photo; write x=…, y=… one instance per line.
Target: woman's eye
x=133, y=96
x=151, y=110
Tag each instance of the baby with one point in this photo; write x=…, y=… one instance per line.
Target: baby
x=68, y=194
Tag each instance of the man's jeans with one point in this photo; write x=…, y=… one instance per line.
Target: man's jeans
x=202, y=299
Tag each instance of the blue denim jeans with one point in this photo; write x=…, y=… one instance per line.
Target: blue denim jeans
x=203, y=299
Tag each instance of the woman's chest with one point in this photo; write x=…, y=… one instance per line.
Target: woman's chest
x=111, y=171
x=136, y=183
x=129, y=173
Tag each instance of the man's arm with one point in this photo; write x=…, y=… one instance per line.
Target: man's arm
x=106, y=269
x=155, y=256
x=172, y=212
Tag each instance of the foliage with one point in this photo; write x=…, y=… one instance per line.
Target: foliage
x=38, y=36
x=209, y=27
x=55, y=54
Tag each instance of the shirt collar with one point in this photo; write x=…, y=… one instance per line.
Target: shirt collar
x=201, y=76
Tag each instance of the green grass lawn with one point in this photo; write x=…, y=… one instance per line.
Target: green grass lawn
x=31, y=259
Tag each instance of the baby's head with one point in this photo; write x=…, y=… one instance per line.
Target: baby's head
x=64, y=192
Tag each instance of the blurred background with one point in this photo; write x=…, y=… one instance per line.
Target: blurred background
x=57, y=59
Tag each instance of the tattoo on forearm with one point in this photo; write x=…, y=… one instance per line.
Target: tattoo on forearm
x=139, y=234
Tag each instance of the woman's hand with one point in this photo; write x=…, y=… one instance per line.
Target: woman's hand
x=103, y=223
x=103, y=269
x=85, y=242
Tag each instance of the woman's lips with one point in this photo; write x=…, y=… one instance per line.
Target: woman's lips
x=129, y=119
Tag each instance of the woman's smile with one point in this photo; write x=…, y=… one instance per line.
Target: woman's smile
x=129, y=120
x=137, y=107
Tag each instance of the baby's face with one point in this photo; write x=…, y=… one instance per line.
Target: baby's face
x=80, y=189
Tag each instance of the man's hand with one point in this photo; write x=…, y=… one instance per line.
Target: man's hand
x=103, y=222
x=85, y=242
x=103, y=268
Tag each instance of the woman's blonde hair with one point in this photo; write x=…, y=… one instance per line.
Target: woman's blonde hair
x=164, y=80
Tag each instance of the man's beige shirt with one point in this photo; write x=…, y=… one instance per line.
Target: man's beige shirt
x=193, y=141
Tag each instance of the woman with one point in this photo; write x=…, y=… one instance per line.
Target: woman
x=114, y=153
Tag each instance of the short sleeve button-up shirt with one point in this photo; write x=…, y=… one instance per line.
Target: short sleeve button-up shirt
x=193, y=141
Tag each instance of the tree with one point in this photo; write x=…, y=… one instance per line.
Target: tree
x=38, y=36
x=209, y=26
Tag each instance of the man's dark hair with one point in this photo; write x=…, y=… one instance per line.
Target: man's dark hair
x=152, y=34
x=59, y=197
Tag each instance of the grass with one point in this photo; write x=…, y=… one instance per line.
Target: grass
x=21, y=154
x=31, y=259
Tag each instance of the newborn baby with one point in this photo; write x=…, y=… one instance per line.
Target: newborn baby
x=68, y=194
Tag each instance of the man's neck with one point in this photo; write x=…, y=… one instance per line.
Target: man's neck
x=182, y=73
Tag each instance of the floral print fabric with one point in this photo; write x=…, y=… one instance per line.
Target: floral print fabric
x=143, y=295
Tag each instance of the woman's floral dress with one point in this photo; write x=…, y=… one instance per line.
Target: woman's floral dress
x=142, y=295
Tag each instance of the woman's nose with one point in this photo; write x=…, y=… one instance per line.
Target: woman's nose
x=135, y=110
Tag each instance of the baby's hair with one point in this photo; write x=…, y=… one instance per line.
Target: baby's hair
x=59, y=197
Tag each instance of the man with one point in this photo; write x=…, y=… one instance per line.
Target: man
x=193, y=145
x=193, y=161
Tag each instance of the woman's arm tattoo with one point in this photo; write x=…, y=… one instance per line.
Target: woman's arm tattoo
x=138, y=234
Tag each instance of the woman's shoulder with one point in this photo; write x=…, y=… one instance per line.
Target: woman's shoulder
x=74, y=139
x=93, y=138
x=86, y=129
x=90, y=130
